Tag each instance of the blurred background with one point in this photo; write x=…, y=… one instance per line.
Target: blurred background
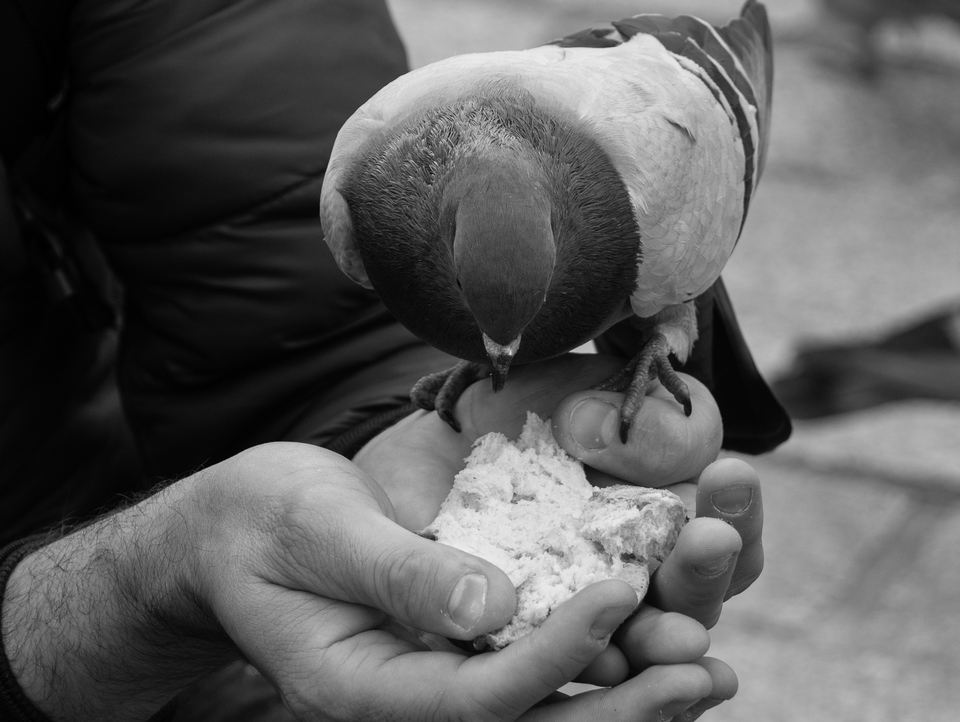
x=854, y=234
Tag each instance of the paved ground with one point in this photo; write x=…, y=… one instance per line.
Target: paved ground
x=856, y=226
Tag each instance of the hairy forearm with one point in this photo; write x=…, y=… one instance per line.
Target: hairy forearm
x=102, y=623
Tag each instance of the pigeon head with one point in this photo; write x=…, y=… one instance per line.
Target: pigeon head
x=494, y=230
x=503, y=247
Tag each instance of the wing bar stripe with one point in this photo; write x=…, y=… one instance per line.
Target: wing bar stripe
x=686, y=46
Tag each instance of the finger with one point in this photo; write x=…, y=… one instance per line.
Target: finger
x=607, y=669
x=535, y=387
x=725, y=682
x=664, y=445
x=514, y=679
x=654, y=637
x=430, y=586
x=346, y=549
x=649, y=637
x=729, y=489
x=724, y=686
x=694, y=578
x=656, y=694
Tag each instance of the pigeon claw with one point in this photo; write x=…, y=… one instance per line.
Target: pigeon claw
x=440, y=391
x=424, y=393
x=640, y=375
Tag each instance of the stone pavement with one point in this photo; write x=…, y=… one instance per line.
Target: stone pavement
x=855, y=227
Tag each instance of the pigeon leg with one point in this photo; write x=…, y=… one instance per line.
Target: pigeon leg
x=441, y=390
x=621, y=379
x=637, y=377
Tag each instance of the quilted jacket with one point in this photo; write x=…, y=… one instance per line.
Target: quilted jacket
x=192, y=139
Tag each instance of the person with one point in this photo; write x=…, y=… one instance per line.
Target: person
x=169, y=313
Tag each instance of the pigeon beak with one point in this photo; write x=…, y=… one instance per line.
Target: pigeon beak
x=500, y=357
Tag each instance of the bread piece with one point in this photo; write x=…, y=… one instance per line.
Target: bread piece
x=527, y=507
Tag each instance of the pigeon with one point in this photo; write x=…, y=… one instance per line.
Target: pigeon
x=508, y=207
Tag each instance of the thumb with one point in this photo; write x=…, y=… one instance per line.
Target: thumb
x=664, y=445
x=330, y=535
x=354, y=553
x=431, y=586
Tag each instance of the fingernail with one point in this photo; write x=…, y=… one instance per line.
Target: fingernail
x=594, y=424
x=675, y=711
x=733, y=499
x=467, y=600
x=608, y=620
x=696, y=709
x=714, y=567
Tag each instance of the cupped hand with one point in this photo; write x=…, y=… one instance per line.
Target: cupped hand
x=719, y=552
x=415, y=462
x=298, y=556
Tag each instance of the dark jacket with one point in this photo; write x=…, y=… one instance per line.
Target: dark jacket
x=190, y=142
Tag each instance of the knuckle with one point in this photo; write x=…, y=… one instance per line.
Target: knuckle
x=403, y=580
x=492, y=705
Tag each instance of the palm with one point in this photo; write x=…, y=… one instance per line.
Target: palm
x=415, y=462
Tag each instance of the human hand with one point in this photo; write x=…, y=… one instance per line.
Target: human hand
x=720, y=551
x=300, y=560
x=415, y=462
x=417, y=459
x=291, y=555
x=718, y=554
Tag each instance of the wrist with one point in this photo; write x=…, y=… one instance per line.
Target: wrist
x=15, y=706
x=101, y=624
